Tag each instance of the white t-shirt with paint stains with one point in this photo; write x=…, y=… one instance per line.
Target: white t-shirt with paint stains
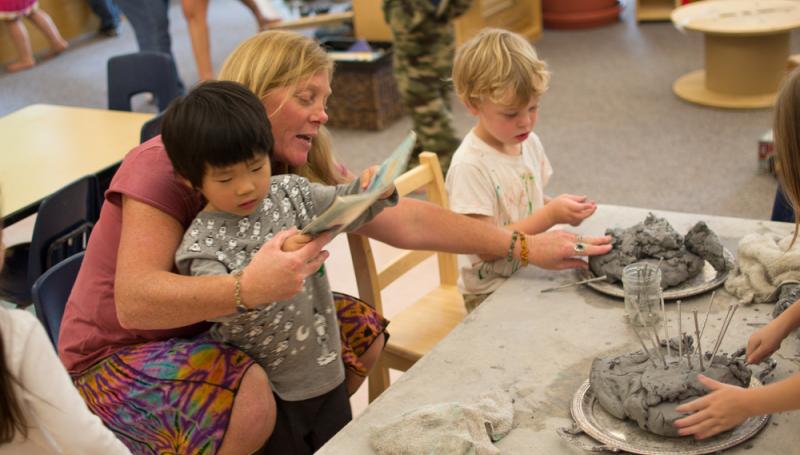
x=483, y=181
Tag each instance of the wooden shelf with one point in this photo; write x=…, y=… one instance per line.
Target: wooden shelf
x=520, y=16
x=654, y=10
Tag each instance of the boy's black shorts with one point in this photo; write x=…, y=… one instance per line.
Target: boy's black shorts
x=302, y=427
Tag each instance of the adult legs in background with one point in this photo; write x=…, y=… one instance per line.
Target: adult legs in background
x=196, y=14
x=423, y=61
x=150, y=22
x=263, y=21
x=108, y=13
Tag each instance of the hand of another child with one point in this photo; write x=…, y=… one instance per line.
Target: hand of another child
x=764, y=341
x=366, y=180
x=722, y=409
x=571, y=209
x=295, y=242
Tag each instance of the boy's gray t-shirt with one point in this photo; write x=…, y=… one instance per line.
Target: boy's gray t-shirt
x=297, y=340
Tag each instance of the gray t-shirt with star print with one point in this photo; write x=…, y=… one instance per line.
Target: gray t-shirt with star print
x=297, y=340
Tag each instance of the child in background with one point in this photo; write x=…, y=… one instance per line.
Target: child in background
x=12, y=12
x=41, y=412
x=727, y=406
x=500, y=169
x=219, y=142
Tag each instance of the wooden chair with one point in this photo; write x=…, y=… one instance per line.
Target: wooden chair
x=417, y=328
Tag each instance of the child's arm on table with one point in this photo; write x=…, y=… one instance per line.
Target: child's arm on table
x=727, y=406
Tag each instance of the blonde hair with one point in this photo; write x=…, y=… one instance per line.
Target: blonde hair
x=787, y=142
x=276, y=59
x=500, y=67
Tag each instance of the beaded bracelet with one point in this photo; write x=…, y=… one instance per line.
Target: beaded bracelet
x=237, y=292
x=523, y=255
x=510, y=255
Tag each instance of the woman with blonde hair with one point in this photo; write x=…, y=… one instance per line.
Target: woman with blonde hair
x=134, y=332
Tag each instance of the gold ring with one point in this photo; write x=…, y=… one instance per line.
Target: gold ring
x=579, y=238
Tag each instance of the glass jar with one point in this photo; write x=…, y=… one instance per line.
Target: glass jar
x=642, y=285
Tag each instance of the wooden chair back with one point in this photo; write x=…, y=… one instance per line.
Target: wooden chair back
x=420, y=325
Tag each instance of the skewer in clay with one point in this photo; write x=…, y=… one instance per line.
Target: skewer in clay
x=699, y=348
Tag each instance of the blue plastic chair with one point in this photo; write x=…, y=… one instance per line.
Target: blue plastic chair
x=781, y=209
x=151, y=128
x=141, y=72
x=63, y=224
x=51, y=291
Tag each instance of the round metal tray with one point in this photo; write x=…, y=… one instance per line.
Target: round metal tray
x=618, y=435
x=705, y=281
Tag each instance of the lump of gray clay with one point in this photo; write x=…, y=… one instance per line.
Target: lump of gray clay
x=630, y=387
x=654, y=239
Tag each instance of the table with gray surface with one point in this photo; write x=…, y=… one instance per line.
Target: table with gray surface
x=539, y=347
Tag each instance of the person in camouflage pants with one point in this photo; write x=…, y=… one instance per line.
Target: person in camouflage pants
x=423, y=61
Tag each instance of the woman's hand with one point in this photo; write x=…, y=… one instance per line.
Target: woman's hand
x=366, y=180
x=558, y=249
x=279, y=274
x=722, y=409
x=570, y=209
x=764, y=341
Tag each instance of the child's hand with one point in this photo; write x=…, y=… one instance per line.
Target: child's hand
x=295, y=242
x=570, y=209
x=720, y=410
x=366, y=180
x=764, y=341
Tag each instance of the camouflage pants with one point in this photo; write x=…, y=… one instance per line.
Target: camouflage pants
x=423, y=63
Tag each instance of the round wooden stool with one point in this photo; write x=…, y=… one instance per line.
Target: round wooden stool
x=746, y=47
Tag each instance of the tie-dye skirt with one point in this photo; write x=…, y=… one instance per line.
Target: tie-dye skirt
x=166, y=397
x=175, y=396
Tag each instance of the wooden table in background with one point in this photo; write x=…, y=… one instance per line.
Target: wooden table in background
x=45, y=147
x=746, y=47
x=540, y=347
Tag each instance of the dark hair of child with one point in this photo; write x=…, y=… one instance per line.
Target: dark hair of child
x=11, y=417
x=218, y=123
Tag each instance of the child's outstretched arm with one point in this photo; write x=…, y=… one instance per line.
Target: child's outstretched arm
x=727, y=406
x=564, y=209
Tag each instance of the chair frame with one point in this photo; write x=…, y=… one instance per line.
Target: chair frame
x=443, y=308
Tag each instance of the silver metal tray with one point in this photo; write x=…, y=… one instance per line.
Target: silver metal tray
x=625, y=435
x=705, y=281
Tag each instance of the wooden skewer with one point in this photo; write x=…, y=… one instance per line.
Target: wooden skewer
x=576, y=283
x=717, y=341
x=643, y=346
x=708, y=310
x=699, y=348
x=657, y=344
x=680, y=333
x=726, y=323
x=666, y=322
x=688, y=358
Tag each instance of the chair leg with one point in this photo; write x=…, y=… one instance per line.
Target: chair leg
x=378, y=380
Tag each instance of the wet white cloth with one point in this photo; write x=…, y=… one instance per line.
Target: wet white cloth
x=762, y=264
x=451, y=428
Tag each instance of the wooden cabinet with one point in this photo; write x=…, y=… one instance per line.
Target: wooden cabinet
x=520, y=16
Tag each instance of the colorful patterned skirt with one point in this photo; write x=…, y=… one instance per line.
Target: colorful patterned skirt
x=12, y=9
x=175, y=396
x=359, y=326
x=172, y=396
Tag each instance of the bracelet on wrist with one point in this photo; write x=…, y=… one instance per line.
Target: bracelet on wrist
x=237, y=292
x=510, y=255
x=523, y=254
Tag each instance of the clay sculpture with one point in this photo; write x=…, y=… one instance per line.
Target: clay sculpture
x=630, y=386
x=654, y=239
